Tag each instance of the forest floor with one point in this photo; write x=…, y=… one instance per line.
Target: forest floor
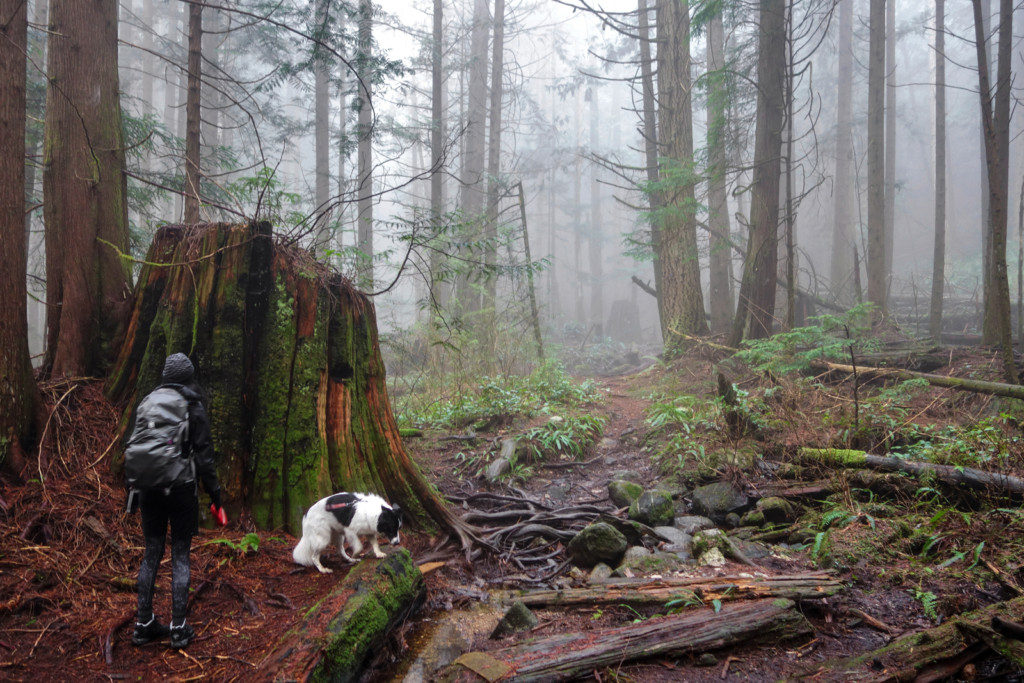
x=909, y=556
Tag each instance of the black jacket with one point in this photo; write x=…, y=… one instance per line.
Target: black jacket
x=199, y=442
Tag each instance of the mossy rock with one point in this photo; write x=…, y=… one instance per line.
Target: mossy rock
x=596, y=543
x=717, y=500
x=624, y=493
x=776, y=510
x=653, y=508
x=517, y=618
x=753, y=518
x=649, y=563
x=707, y=539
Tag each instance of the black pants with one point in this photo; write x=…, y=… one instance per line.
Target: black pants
x=180, y=508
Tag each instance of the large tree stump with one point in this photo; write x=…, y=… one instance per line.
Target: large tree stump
x=288, y=354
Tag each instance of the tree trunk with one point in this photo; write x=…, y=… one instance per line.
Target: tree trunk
x=986, y=216
x=289, y=358
x=939, y=257
x=569, y=655
x=85, y=188
x=595, y=237
x=890, y=140
x=843, y=242
x=438, y=290
x=962, y=383
x=756, y=307
x=472, y=192
x=495, y=184
x=720, y=259
x=921, y=655
x=877, y=282
x=790, y=252
x=364, y=72
x=18, y=393
x=321, y=135
x=650, y=136
x=682, y=302
x=193, y=117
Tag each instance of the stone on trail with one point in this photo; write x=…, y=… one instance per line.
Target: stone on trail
x=517, y=618
x=623, y=493
x=596, y=543
x=646, y=563
x=715, y=501
x=691, y=524
x=712, y=558
x=652, y=508
x=600, y=573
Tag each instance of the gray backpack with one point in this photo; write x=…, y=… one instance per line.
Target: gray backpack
x=156, y=454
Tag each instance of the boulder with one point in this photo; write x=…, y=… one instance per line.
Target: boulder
x=517, y=618
x=600, y=573
x=673, y=535
x=680, y=545
x=623, y=493
x=640, y=561
x=691, y=524
x=776, y=510
x=712, y=558
x=715, y=501
x=732, y=520
x=752, y=518
x=652, y=508
x=597, y=543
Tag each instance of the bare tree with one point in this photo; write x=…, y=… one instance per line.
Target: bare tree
x=877, y=281
x=495, y=186
x=890, y=139
x=437, y=136
x=718, y=209
x=364, y=71
x=843, y=244
x=321, y=132
x=939, y=257
x=193, y=113
x=594, y=235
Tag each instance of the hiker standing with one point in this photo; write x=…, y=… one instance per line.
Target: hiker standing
x=168, y=451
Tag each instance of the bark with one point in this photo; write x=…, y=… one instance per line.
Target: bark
x=890, y=139
x=975, y=385
x=843, y=244
x=321, y=135
x=85, y=189
x=986, y=216
x=756, y=307
x=18, y=393
x=877, y=281
x=923, y=655
x=495, y=188
x=438, y=291
x=977, y=480
x=193, y=116
x=288, y=355
x=939, y=255
x=682, y=303
x=595, y=237
x=636, y=592
x=569, y=655
x=342, y=632
x=364, y=132
x=718, y=207
x=995, y=118
x=472, y=198
x=534, y=315
x=790, y=253
x=650, y=136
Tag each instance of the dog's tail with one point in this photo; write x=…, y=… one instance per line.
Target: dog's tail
x=303, y=553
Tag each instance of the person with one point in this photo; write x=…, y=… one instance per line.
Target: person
x=178, y=506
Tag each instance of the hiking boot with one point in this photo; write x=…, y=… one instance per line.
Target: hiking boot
x=148, y=632
x=182, y=635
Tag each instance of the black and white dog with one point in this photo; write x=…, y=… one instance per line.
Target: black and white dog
x=345, y=517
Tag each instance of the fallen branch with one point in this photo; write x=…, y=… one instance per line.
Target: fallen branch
x=977, y=386
x=108, y=643
x=947, y=474
x=570, y=655
x=658, y=592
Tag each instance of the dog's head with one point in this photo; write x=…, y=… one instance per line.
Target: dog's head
x=389, y=522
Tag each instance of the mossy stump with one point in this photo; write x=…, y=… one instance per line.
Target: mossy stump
x=288, y=355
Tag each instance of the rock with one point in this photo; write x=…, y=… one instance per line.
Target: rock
x=497, y=468
x=707, y=659
x=646, y=562
x=800, y=536
x=627, y=475
x=706, y=540
x=557, y=491
x=732, y=520
x=717, y=500
x=596, y=543
x=653, y=509
x=752, y=518
x=673, y=535
x=606, y=444
x=452, y=638
x=712, y=558
x=623, y=493
x=754, y=551
x=600, y=573
x=776, y=510
x=691, y=524
x=517, y=618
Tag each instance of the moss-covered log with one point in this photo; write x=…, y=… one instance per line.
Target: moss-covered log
x=919, y=654
x=340, y=633
x=977, y=386
x=569, y=655
x=288, y=355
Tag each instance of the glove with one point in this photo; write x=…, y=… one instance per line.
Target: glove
x=215, y=498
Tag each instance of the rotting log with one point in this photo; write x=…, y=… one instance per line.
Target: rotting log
x=569, y=655
x=977, y=480
x=977, y=386
x=337, y=636
x=635, y=592
x=288, y=354
x=917, y=654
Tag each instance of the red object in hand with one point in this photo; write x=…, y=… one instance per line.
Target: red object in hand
x=219, y=515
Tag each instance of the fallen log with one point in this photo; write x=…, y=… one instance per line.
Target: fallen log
x=977, y=386
x=660, y=591
x=566, y=656
x=991, y=482
x=917, y=656
x=335, y=639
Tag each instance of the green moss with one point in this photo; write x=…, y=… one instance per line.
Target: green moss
x=841, y=457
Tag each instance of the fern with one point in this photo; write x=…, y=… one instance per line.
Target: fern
x=830, y=518
x=929, y=602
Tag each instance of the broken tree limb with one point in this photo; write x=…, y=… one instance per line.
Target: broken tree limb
x=991, y=482
x=570, y=655
x=658, y=592
x=335, y=639
x=915, y=654
x=977, y=386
